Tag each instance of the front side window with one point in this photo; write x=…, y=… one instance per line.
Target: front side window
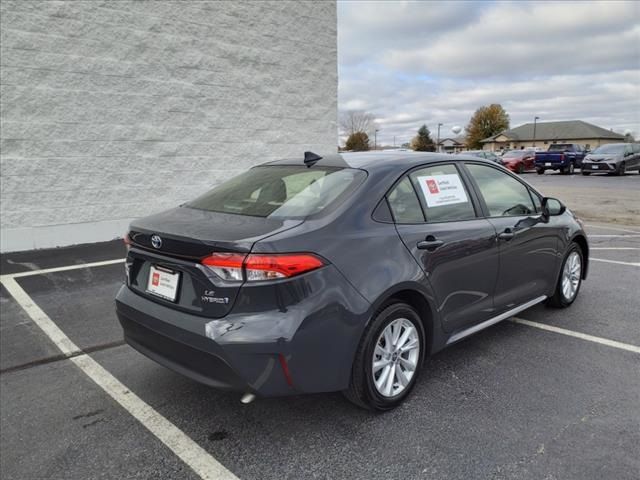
x=443, y=194
x=404, y=203
x=537, y=202
x=504, y=195
x=281, y=191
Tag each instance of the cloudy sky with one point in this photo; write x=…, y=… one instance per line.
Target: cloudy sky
x=411, y=63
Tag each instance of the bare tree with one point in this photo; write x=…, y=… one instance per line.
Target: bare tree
x=355, y=121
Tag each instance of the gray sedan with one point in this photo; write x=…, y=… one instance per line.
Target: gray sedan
x=616, y=158
x=343, y=272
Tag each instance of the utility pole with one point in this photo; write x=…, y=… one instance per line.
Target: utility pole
x=438, y=140
x=535, y=119
x=375, y=139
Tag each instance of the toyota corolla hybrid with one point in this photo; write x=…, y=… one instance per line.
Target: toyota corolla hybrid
x=343, y=272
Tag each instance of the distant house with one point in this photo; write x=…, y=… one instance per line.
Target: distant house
x=452, y=145
x=546, y=133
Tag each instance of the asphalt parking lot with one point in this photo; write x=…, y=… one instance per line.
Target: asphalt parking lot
x=597, y=197
x=514, y=401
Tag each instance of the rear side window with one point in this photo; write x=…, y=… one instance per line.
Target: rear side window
x=281, y=191
x=443, y=194
x=404, y=203
x=504, y=195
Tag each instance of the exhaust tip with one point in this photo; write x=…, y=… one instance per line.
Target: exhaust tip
x=247, y=398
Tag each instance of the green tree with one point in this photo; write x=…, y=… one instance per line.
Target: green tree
x=486, y=122
x=422, y=142
x=357, y=142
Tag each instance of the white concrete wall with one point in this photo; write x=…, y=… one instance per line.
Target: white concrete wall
x=113, y=110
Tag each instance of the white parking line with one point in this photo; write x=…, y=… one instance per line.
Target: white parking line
x=582, y=336
x=62, y=269
x=614, y=248
x=200, y=461
x=617, y=262
x=603, y=227
x=618, y=235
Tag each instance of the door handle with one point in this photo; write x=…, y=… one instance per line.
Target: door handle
x=430, y=243
x=507, y=235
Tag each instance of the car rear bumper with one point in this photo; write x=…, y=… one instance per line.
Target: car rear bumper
x=551, y=165
x=301, y=347
x=187, y=356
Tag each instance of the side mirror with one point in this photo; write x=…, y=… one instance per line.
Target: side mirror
x=552, y=207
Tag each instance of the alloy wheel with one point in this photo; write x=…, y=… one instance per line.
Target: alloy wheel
x=571, y=275
x=395, y=357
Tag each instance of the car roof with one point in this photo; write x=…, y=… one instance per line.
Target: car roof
x=379, y=159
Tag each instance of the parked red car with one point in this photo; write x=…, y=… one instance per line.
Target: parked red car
x=519, y=161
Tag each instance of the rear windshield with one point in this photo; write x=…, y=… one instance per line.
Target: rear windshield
x=610, y=149
x=560, y=147
x=281, y=191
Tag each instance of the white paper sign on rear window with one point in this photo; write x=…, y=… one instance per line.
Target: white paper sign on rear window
x=440, y=190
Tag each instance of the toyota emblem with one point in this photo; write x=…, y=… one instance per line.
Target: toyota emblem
x=156, y=241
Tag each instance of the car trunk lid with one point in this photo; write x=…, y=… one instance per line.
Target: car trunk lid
x=168, y=248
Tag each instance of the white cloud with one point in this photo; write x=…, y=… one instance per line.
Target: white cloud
x=413, y=63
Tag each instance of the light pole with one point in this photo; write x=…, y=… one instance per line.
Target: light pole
x=438, y=139
x=535, y=119
x=375, y=139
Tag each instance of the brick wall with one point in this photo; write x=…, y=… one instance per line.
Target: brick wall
x=113, y=110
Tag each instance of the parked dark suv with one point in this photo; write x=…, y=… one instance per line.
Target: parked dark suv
x=343, y=272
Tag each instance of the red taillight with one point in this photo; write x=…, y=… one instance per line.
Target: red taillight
x=233, y=260
x=227, y=266
x=260, y=266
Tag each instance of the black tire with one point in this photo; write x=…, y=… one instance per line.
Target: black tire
x=558, y=299
x=563, y=171
x=521, y=168
x=571, y=169
x=586, y=173
x=622, y=169
x=362, y=390
x=540, y=171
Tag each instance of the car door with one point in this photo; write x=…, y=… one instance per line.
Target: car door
x=529, y=161
x=527, y=244
x=435, y=216
x=633, y=157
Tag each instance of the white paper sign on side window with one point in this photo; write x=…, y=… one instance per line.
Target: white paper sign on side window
x=442, y=190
